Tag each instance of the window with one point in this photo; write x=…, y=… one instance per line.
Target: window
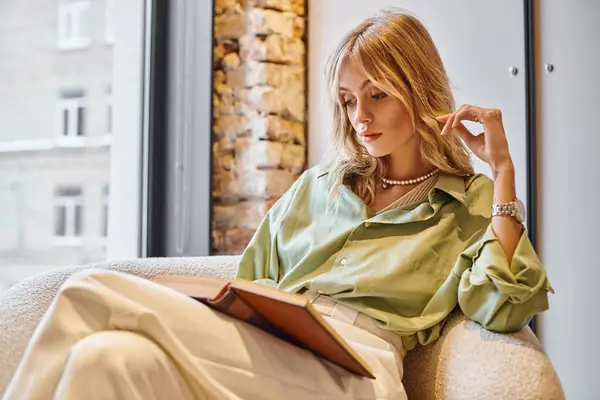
x=71, y=114
x=104, y=232
x=70, y=25
x=55, y=154
x=109, y=34
x=68, y=214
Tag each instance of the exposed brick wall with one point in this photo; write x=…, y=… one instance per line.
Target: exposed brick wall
x=259, y=104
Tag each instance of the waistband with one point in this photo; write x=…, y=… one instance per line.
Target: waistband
x=326, y=305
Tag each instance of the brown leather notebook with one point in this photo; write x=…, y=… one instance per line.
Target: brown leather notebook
x=288, y=316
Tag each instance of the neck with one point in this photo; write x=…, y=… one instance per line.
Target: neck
x=407, y=163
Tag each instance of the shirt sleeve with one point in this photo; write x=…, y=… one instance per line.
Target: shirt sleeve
x=502, y=297
x=260, y=261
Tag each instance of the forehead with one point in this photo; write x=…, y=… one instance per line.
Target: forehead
x=352, y=76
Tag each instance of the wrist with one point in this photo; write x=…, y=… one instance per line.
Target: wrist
x=504, y=184
x=504, y=168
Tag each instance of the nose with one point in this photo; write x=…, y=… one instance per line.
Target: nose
x=363, y=114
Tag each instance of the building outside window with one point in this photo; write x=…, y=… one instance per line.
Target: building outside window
x=71, y=23
x=55, y=147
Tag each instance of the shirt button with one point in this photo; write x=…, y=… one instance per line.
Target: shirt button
x=344, y=261
x=367, y=224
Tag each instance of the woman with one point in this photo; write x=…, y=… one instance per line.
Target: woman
x=386, y=240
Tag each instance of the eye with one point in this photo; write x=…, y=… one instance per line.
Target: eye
x=379, y=96
x=349, y=103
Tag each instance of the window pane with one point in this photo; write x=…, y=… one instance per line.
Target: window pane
x=80, y=121
x=68, y=191
x=105, y=212
x=72, y=93
x=65, y=122
x=54, y=153
x=59, y=221
x=78, y=221
x=105, y=221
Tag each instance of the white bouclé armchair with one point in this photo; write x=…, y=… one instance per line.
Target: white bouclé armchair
x=467, y=362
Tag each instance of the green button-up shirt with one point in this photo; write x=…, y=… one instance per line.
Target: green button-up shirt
x=407, y=267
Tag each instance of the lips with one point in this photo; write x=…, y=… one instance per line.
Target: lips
x=368, y=136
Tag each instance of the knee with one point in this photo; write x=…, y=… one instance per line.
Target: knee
x=85, y=279
x=113, y=352
x=87, y=275
x=89, y=281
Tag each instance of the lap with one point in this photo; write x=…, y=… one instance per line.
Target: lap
x=122, y=365
x=245, y=359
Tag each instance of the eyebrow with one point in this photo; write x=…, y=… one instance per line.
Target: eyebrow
x=362, y=86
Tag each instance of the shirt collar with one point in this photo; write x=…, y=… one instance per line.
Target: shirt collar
x=453, y=185
x=322, y=173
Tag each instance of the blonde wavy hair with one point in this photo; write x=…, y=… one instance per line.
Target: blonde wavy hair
x=397, y=55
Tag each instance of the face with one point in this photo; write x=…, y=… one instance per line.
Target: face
x=381, y=122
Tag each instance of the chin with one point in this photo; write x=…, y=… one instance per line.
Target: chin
x=377, y=151
x=381, y=148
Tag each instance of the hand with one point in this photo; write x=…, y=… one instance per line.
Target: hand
x=490, y=145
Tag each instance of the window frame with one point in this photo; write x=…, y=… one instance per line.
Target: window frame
x=69, y=134
x=70, y=203
x=69, y=25
x=131, y=119
x=180, y=140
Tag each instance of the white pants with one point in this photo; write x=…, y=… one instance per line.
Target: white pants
x=109, y=335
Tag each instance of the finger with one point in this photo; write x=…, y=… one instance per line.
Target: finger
x=457, y=115
x=443, y=120
x=466, y=135
x=447, y=126
x=448, y=119
x=467, y=113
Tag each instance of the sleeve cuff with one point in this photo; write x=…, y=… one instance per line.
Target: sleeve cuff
x=520, y=281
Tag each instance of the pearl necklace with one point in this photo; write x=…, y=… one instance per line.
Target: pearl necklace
x=390, y=182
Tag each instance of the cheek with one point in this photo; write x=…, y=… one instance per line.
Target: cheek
x=349, y=116
x=400, y=120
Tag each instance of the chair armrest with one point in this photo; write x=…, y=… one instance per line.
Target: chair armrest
x=22, y=306
x=468, y=361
